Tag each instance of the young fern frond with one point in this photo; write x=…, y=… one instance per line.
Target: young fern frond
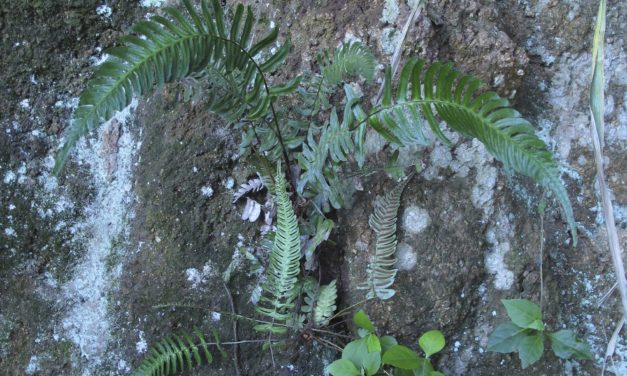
x=381, y=271
x=487, y=117
x=325, y=306
x=175, y=354
x=350, y=59
x=279, y=291
x=170, y=48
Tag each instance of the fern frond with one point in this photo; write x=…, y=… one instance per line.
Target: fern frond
x=325, y=306
x=334, y=145
x=279, y=291
x=252, y=185
x=175, y=354
x=381, y=271
x=350, y=59
x=167, y=49
x=486, y=117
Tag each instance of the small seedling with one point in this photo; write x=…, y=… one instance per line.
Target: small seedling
x=525, y=335
x=371, y=354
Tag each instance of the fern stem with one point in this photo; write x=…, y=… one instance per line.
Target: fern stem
x=274, y=117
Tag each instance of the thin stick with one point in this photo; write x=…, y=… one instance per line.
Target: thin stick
x=541, y=257
x=611, y=345
x=329, y=343
x=597, y=110
x=331, y=333
x=235, y=337
x=396, y=58
x=347, y=309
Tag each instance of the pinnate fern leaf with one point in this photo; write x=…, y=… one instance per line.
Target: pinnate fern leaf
x=174, y=354
x=486, y=117
x=382, y=271
x=325, y=306
x=279, y=291
x=171, y=47
x=350, y=59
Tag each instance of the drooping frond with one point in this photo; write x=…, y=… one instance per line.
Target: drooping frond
x=325, y=306
x=279, y=291
x=382, y=271
x=175, y=354
x=487, y=117
x=167, y=49
x=350, y=59
x=252, y=185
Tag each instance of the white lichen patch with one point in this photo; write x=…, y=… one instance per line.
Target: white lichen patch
x=33, y=366
x=415, y=219
x=153, y=3
x=9, y=177
x=206, y=191
x=103, y=10
x=141, y=346
x=406, y=257
x=86, y=322
x=390, y=11
x=498, y=236
x=216, y=316
x=390, y=38
x=197, y=277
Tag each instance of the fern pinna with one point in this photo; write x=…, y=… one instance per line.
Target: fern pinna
x=174, y=354
x=487, y=117
x=170, y=48
x=382, y=271
x=279, y=291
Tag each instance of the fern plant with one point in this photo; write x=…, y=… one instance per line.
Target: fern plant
x=173, y=354
x=277, y=301
x=382, y=271
x=486, y=117
x=170, y=48
x=207, y=49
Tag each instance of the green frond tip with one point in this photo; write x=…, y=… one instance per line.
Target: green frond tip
x=175, y=46
x=176, y=353
x=279, y=291
x=350, y=59
x=484, y=116
x=382, y=271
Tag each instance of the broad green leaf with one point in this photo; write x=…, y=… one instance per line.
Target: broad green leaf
x=424, y=369
x=566, y=345
x=343, y=367
x=431, y=342
x=361, y=320
x=436, y=373
x=357, y=352
x=506, y=338
x=530, y=349
x=387, y=342
x=524, y=313
x=372, y=363
x=401, y=357
x=373, y=344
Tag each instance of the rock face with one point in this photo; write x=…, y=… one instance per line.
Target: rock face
x=129, y=244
